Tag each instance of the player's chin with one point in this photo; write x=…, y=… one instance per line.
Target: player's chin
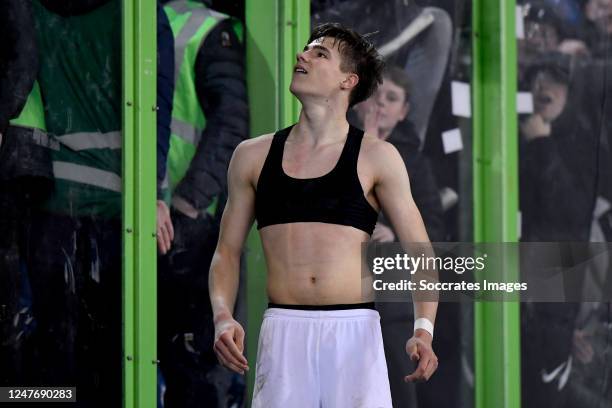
x=299, y=86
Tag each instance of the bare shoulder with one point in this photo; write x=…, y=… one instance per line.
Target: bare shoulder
x=254, y=147
x=250, y=155
x=378, y=151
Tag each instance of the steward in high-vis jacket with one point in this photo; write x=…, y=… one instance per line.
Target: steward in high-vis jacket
x=76, y=237
x=209, y=119
x=75, y=267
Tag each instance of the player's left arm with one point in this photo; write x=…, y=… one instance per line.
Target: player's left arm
x=392, y=189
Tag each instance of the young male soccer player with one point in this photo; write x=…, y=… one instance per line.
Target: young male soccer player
x=315, y=189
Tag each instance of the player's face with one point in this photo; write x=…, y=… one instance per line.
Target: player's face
x=317, y=70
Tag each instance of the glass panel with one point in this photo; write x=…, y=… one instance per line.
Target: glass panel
x=60, y=193
x=565, y=195
x=209, y=119
x=426, y=45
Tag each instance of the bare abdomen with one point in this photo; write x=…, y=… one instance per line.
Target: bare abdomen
x=314, y=263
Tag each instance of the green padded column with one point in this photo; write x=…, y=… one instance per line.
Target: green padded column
x=497, y=330
x=139, y=207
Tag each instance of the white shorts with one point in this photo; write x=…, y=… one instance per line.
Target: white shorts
x=314, y=359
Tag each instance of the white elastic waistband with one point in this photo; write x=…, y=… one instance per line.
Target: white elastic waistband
x=321, y=314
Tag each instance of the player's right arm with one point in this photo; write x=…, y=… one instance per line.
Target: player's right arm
x=236, y=222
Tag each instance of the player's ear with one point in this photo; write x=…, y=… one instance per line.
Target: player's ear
x=350, y=81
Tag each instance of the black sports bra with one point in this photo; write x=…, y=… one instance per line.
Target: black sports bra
x=334, y=198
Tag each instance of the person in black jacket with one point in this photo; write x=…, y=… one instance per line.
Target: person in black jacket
x=384, y=115
x=558, y=184
x=558, y=150
x=67, y=329
x=165, y=89
x=18, y=59
x=190, y=368
x=26, y=176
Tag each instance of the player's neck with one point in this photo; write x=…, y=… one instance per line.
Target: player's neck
x=321, y=124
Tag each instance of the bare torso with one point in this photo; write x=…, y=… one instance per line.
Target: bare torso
x=309, y=262
x=314, y=263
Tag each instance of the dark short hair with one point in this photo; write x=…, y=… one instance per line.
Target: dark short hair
x=400, y=78
x=358, y=55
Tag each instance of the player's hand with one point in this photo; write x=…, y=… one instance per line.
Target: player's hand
x=165, y=230
x=229, y=345
x=419, y=349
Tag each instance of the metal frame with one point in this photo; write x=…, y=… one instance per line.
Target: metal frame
x=495, y=158
x=139, y=36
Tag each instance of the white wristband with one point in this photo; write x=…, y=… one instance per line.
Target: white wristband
x=425, y=324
